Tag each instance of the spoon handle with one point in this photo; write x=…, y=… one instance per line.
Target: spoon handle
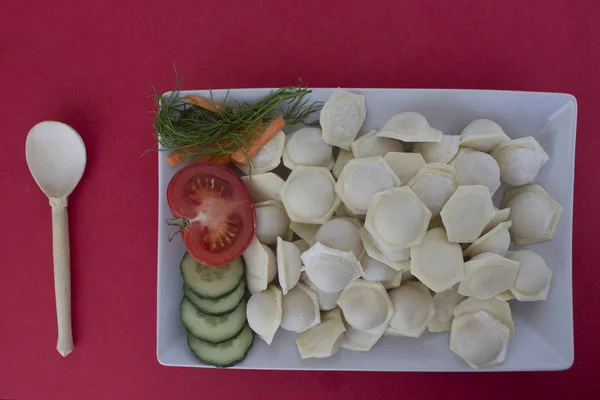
x=62, y=274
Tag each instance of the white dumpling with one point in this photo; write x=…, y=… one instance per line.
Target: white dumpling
x=306, y=147
x=444, y=303
x=357, y=340
x=260, y=266
x=394, y=283
x=499, y=216
x=519, y=160
x=505, y=296
x=306, y=232
x=300, y=309
x=479, y=339
x=366, y=306
x=409, y=127
x=533, y=278
x=341, y=234
x=309, y=195
x=495, y=241
x=340, y=162
x=436, y=262
x=342, y=116
x=376, y=271
x=264, y=311
x=404, y=165
x=329, y=269
x=397, y=219
x=467, y=212
x=413, y=307
x=263, y=187
x=476, y=168
x=327, y=301
x=482, y=135
x=271, y=221
x=324, y=339
x=497, y=308
x=289, y=264
x=533, y=212
x=487, y=275
x=439, y=152
x=371, y=145
x=374, y=252
x=361, y=179
x=434, y=184
x=268, y=158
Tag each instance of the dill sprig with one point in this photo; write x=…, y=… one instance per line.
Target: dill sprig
x=190, y=129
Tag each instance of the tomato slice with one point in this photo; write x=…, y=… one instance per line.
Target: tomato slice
x=212, y=205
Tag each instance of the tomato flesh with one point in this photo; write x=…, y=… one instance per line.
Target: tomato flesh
x=217, y=211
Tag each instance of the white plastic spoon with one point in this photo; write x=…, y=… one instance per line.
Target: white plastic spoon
x=56, y=158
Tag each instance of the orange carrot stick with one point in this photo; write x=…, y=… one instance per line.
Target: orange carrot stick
x=239, y=157
x=197, y=101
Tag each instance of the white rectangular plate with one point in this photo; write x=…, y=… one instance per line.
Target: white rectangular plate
x=544, y=330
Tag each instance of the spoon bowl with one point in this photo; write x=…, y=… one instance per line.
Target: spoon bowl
x=56, y=158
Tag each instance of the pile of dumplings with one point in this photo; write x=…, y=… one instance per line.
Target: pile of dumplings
x=394, y=232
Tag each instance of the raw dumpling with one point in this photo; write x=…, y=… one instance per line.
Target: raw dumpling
x=264, y=311
x=324, y=339
x=329, y=269
x=306, y=147
x=487, y=275
x=444, y=303
x=505, y=296
x=436, y=262
x=271, y=221
x=394, y=283
x=300, y=309
x=439, y=152
x=497, y=308
x=533, y=212
x=499, y=216
x=327, y=301
x=306, y=232
x=357, y=340
x=476, y=168
x=520, y=160
x=434, y=184
x=309, y=195
x=341, y=234
x=467, y=212
x=261, y=266
x=376, y=271
x=479, y=339
x=405, y=165
x=533, y=277
x=366, y=306
x=263, y=187
x=289, y=265
x=301, y=245
x=397, y=219
x=482, y=135
x=374, y=252
x=410, y=127
x=413, y=307
x=495, y=241
x=340, y=162
x=342, y=117
x=370, y=145
x=268, y=158
x=361, y=179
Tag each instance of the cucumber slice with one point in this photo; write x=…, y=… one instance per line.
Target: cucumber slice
x=224, y=354
x=217, y=307
x=210, y=328
x=211, y=282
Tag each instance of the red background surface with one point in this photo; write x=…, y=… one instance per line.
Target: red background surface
x=91, y=64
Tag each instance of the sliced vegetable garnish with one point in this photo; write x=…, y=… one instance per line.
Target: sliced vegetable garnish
x=214, y=210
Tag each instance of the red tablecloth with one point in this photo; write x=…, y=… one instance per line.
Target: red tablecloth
x=92, y=64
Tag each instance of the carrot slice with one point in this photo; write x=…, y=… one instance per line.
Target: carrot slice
x=200, y=102
x=240, y=156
